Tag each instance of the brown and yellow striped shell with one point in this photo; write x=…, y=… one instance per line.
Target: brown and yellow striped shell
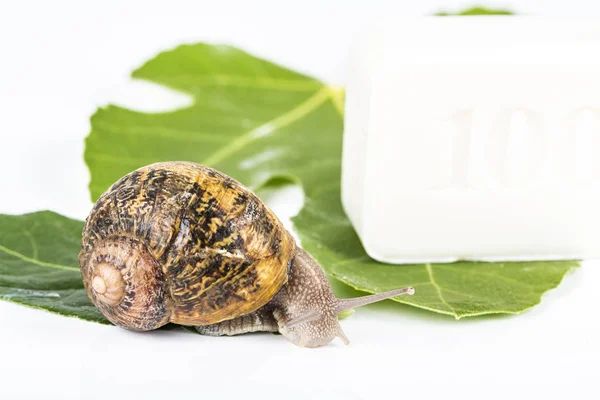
x=180, y=242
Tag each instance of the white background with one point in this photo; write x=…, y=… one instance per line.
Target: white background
x=59, y=60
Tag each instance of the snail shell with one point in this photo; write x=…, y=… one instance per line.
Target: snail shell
x=180, y=242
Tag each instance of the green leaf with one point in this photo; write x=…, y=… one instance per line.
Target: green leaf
x=476, y=11
x=259, y=122
x=39, y=267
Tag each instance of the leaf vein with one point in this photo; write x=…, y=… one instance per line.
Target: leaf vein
x=34, y=247
x=36, y=261
x=269, y=127
x=437, y=287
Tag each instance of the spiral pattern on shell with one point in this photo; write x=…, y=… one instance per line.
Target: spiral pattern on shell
x=127, y=285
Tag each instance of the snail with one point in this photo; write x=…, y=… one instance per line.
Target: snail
x=178, y=242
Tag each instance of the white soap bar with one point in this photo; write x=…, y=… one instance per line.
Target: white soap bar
x=474, y=139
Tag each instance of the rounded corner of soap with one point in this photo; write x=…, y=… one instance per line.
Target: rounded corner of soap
x=374, y=252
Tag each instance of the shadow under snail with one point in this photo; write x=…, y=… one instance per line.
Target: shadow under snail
x=183, y=243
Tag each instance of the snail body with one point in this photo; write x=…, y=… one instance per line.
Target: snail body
x=183, y=243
